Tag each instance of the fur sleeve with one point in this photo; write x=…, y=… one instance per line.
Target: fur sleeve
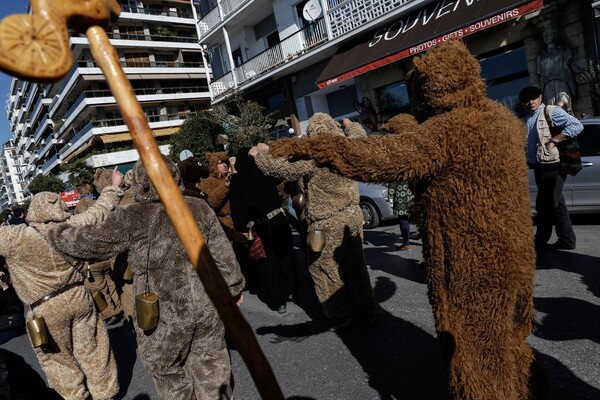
x=93, y=242
x=7, y=239
x=222, y=252
x=417, y=153
x=279, y=168
x=215, y=189
x=108, y=200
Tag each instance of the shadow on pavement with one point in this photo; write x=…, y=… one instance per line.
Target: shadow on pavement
x=563, y=384
x=400, y=359
x=586, y=266
x=19, y=381
x=124, y=345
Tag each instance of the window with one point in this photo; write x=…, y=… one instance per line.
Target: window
x=589, y=141
x=237, y=57
x=505, y=74
x=272, y=39
x=393, y=99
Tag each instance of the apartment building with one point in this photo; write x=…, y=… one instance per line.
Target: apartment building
x=78, y=117
x=12, y=187
x=336, y=56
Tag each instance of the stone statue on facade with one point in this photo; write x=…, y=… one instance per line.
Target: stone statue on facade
x=554, y=65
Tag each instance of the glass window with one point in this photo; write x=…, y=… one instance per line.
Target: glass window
x=505, y=75
x=393, y=99
x=589, y=141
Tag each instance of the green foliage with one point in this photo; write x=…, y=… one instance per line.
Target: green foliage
x=243, y=121
x=80, y=175
x=48, y=183
x=591, y=76
x=165, y=31
x=196, y=134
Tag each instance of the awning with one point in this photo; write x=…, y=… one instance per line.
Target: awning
x=420, y=31
x=122, y=137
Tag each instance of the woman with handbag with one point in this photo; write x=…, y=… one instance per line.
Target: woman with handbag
x=256, y=211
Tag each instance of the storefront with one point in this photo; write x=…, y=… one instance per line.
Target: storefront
x=515, y=42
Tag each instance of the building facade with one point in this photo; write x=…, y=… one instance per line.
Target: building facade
x=78, y=116
x=341, y=56
x=12, y=187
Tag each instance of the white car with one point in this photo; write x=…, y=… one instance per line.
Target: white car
x=375, y=204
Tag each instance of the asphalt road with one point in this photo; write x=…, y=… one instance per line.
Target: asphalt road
x=398, y=358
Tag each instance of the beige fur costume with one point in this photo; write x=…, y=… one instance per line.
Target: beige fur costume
x=79, y=352
x=332, y=205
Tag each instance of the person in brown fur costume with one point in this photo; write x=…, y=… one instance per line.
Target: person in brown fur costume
x=339, y=271
x=186, y=352
x=77, y=360
x=466, y=163
x=216, y=187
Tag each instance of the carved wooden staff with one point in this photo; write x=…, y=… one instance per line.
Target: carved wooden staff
x=23, y=53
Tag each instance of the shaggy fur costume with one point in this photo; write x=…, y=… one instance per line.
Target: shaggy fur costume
x=467, y=166
x=216, y=189
x=79, y=353
x=186, y=352
x=339, y=272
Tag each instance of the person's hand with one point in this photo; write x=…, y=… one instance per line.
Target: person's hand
x=346, y=122
x=263, y=147
x=253, y=151
x=551, y=144
x=239, y=299
x=117, y=177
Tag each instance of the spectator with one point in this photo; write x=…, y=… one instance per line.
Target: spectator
x=544, y=158
x=255, y=202
x=17, y=217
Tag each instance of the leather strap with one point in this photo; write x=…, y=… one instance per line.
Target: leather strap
x=55, y=293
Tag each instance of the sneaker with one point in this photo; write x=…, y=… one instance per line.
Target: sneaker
x=404, y=247
x=282, y=309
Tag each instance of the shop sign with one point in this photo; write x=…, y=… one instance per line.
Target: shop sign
x=71, y=197
x=422, y=30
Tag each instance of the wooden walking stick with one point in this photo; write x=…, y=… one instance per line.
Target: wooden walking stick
x=26, y=56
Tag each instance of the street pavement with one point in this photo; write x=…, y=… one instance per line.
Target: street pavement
x=398, y=358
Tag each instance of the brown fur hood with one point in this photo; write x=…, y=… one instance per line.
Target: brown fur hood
x=212, y=159
x=445, y=78
x=142, y=189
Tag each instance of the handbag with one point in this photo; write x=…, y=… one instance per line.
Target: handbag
x=256, y=249
x=568, y=150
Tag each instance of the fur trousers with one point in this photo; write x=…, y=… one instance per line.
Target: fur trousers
x=188, y=361
x=339, y=272
x=78, y=352
x=105, y=283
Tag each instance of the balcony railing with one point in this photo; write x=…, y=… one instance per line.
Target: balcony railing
x=293, y=46
x=347, y=15
x=213, y=17
x=230, y=6
x=179, y=13
x=153, y=37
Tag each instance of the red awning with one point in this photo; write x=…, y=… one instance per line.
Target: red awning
x=421, y=30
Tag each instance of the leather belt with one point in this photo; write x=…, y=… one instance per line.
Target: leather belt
x=55, y=293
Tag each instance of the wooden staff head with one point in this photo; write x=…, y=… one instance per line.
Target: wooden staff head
x=35, y=47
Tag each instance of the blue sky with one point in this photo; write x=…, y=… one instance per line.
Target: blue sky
x=7, y=7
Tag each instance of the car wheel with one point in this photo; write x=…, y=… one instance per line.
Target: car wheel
x=370, y=216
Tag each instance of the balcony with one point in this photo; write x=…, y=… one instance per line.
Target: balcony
x=50, y=164
x=295, y=45
x=209, y=21
x=179, y=13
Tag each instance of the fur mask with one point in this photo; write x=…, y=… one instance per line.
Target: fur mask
x=141, y=187
x=47, y=207
x=445, y=78
x=321, y=124
x=102, y=179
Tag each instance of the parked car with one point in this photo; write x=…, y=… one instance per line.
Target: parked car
x=375, y=204
x=582, y=192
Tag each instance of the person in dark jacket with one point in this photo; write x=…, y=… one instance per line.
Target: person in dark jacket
x=192, y=170
x=255, y=202
x=17, y=217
